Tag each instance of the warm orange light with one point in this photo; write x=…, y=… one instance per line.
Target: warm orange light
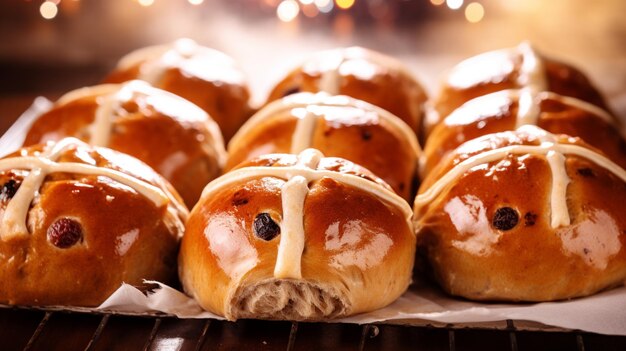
x=344, y=4
x=48, y=10
x=474, y=12
x=310, y=11
x=343, y=25
x=437, y=2
x=287, y=10
x=270, y=3
x=454, y=4
x=145, y=3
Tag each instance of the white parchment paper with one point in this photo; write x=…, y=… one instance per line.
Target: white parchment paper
x=603, y=313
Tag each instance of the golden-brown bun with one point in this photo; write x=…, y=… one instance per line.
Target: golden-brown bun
x=500, y=111
x=357, y=242
x=206, y=77
x=170, y=134
x=104, y=219
x=500, y=221
x=511, y=68
x=338, y=126
x=363, y=74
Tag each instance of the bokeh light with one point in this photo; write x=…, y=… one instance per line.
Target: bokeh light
x=310, y=11
x=145, y=3
x=344, y=4
x=287, y=10
x=474, y=12
x=196, y=2
x=437, y=2
x=48, y=10
x=454, y=4
x=324, y=6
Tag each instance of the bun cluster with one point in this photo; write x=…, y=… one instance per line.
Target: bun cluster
x=302, y=210
x=523, y=182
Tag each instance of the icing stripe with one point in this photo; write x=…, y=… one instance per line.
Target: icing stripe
x=309, y=158
x=96, y=90
x=371, y=187
x=293, y=194
x=291, y=246
x=529, y=105
x=330, y=81
x=557, y=206
x=107, y=109
x=14, y=219
x=110, y=99
x=153, y=193
x=532, y=72
x=154, y=61
x=183, y=48
x=101, y=126
x=528, y=109
x=303, y=100
x=532, y=77
x=153, y=70
x=558, y=195
x=579, y=104
x=303, y=134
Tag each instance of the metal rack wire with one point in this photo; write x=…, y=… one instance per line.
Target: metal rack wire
x=22, y=329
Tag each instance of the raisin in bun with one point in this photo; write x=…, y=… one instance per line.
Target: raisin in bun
x=206, y=77
x=338, y=126
x=524, y=216
x=512, y=68
x=363, y=74
x=510, y=109
x=78, y=221
x=170, y=134
x=297, y=237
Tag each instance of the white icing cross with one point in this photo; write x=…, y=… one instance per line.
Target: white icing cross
x=532, y=72
x=106, y=111
x=305, y=127
x=330, y=81
x=158, y=58
x=533, y=81
x=302, y=137
x=532, y=78
x=14, y=219
x=293, y=194
x=110, y=98
x=529, y=109
x=180, y=50
x=554, y=152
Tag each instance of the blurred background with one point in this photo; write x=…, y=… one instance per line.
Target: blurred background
x=50, y=47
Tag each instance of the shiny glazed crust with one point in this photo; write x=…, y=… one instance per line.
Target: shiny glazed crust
x=342, y=127
x=498, y=112
x=499, y=70
x=125, y=236
x=473, y=257
x=358, y=252
x=365, y=75
x=173, y=136
x=211, y=81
